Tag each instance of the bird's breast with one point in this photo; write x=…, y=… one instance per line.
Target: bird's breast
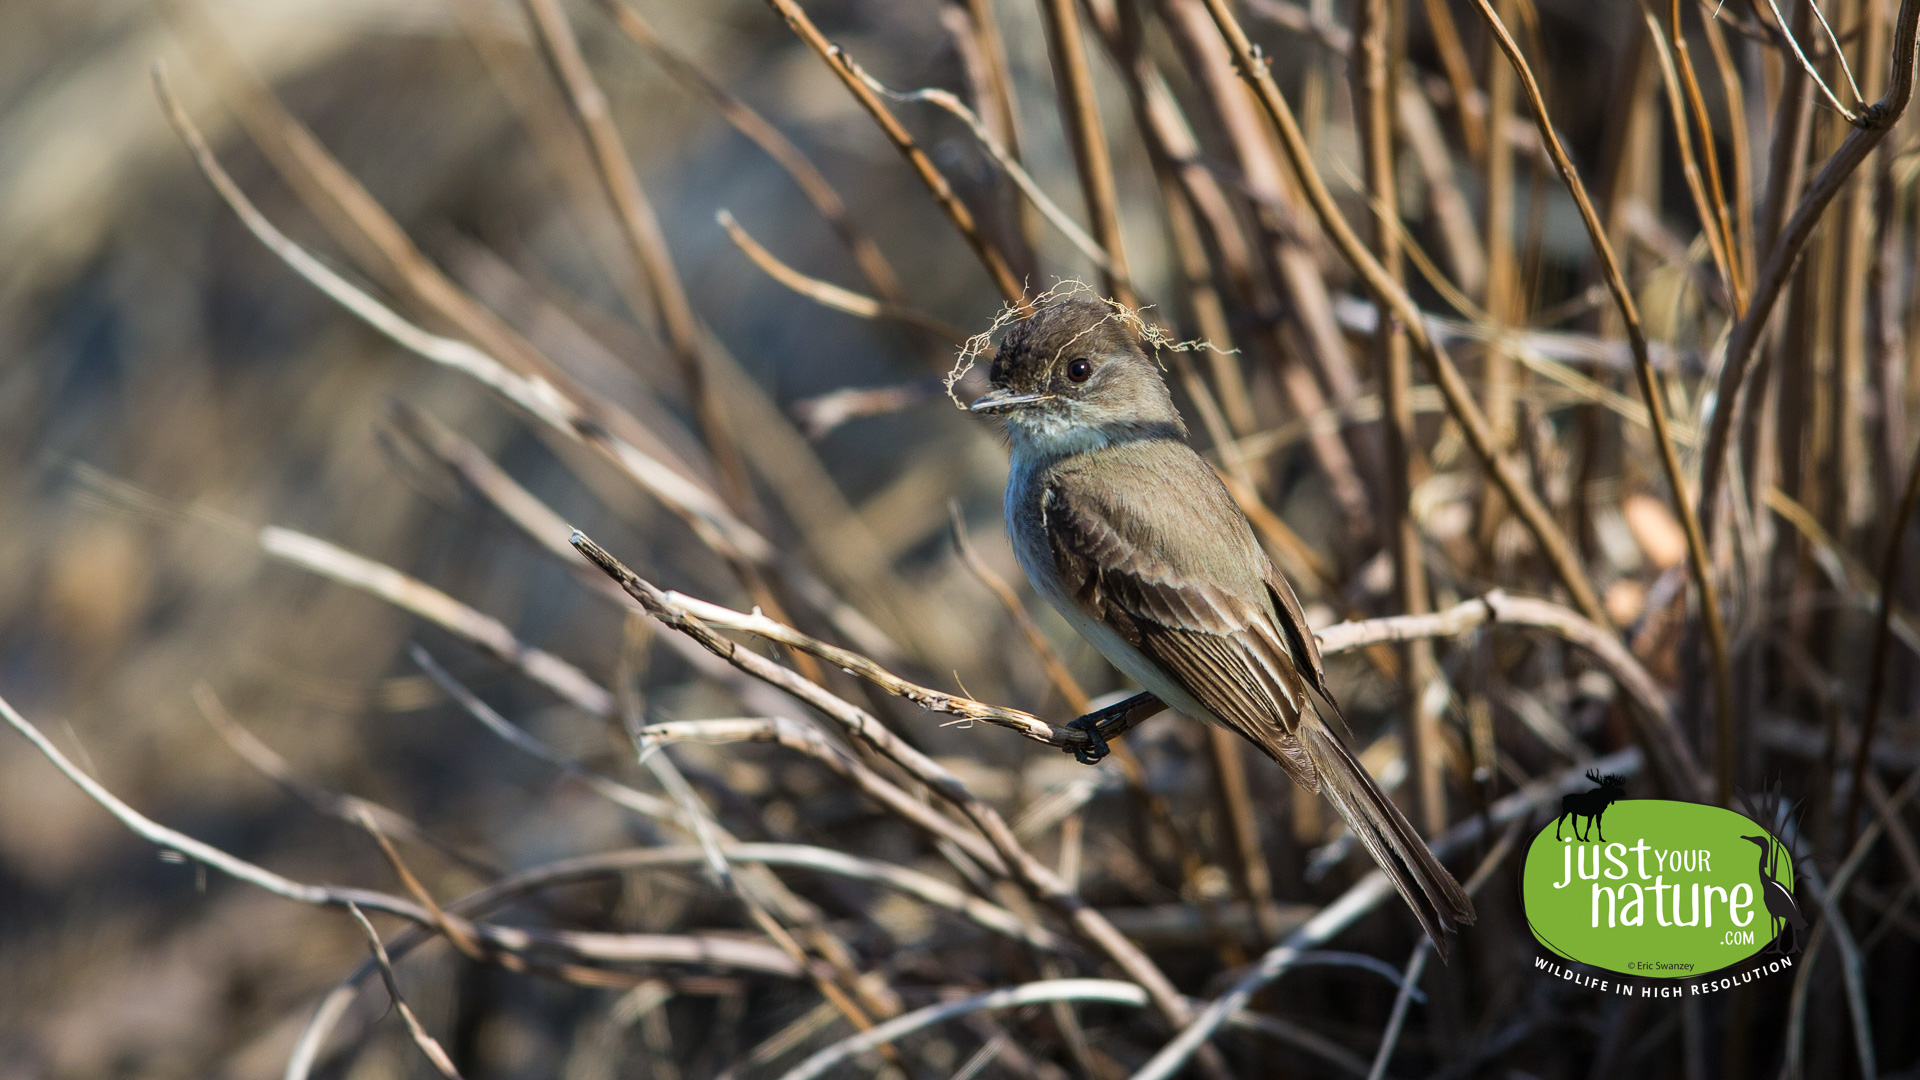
x=1027, y=524
x=1027, y=532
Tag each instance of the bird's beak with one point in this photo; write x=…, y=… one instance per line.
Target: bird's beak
x=1001, y=400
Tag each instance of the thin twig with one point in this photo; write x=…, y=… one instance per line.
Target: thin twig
x=631, y=799
x=1741, y=156
x=1080, y=109
x=1650, y=391
x=424, y=600
x=1417, y=963
x=836, y=59
x=1891, y=564
x=1782, y=253
x=830, y=295
x=1533, y=513
x=646, y=242
x=1806, y=65
x=1706, y=203
x=428, y=1045
x=460, y=939
x=1853, y=581
x=1004, y=158
x=1416, y=966
x=1722, y=218
x=348, y=808
x=866, y=254
x=1361, y=898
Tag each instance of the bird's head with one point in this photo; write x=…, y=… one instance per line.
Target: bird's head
x=1761, y=840
x=1076, y=375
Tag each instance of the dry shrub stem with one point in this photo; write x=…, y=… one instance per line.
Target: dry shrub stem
x=1783, y=251
x=1553, y=542
x=348, y=808
x=1032, y=874
x=827, y=294
x=646, y=242
x=866, y=254
x=1313, y=365
x=428, y=1045
x=1010, y=286
x=1725, y=751
x=1377, y=44
x=1361, y=898
x=1891, y=565
x=1081, y=113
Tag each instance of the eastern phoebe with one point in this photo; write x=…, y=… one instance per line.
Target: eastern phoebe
x=1131, y=536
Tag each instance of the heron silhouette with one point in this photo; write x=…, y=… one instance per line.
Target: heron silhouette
x=1779, y=898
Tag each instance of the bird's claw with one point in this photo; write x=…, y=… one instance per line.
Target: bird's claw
x=1095, y=749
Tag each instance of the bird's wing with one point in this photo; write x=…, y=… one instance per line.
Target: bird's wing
x=1226, y=628
x=1225, y=645
x=1299, y=634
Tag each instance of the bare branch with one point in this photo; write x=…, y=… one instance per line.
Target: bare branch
x=428, y=1045
x=842, y=65
x=830, y=295
x=598, y=947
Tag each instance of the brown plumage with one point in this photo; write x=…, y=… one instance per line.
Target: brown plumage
x=1133, y=538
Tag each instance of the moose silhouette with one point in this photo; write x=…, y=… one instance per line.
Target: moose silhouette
x=1590, y=804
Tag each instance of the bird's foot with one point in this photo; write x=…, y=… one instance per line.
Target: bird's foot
x=1109, y=723
x=1096, y=748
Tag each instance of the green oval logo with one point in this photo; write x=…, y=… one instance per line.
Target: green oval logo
x=1657, y=889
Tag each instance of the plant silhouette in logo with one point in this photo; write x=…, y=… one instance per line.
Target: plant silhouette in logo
x=1590, y=805
x=1773, y=811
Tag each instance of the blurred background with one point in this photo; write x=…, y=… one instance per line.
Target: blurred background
x=168, y=387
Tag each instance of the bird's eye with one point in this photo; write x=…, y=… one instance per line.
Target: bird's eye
x=1080, y=369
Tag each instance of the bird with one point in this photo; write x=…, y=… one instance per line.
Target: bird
x=1779, y=900
x=1127, y=532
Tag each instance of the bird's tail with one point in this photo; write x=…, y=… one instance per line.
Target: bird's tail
x=1436, y=898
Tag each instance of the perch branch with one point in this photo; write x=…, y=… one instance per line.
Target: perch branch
x=1674, y=760
x=1039, y=879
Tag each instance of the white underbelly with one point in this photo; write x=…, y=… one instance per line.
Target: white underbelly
x=1133, y=663
x=1034, y=558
